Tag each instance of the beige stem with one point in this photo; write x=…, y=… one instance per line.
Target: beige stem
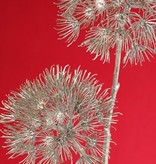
x=114, y=90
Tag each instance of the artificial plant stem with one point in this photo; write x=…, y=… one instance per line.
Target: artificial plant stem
x=114, y=90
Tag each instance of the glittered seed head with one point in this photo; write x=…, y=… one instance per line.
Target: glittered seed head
x=132, y=21
x=55, y=116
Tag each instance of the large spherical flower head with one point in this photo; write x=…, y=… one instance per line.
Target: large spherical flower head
x=55, y=116
x=132, y=21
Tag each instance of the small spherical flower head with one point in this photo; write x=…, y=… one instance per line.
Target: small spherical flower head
x=144, y=26
x=100, y=4
x=95, y=144
x=137, y=54
x=98, y=41
x=85, y=14
x=55, y=116
x=69, y=28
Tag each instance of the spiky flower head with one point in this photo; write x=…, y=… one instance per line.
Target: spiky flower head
x=132, y=21
x=56, y=115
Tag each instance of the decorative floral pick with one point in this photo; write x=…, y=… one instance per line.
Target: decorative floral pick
x=126, y=26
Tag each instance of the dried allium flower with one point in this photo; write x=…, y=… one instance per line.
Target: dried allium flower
x=56, y=115
x=128, y=20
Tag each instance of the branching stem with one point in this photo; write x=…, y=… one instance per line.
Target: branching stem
x=114, y=90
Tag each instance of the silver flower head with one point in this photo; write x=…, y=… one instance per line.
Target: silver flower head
x=59, y=114
x=132, y=21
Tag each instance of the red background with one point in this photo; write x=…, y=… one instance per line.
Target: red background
x=28, y=44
